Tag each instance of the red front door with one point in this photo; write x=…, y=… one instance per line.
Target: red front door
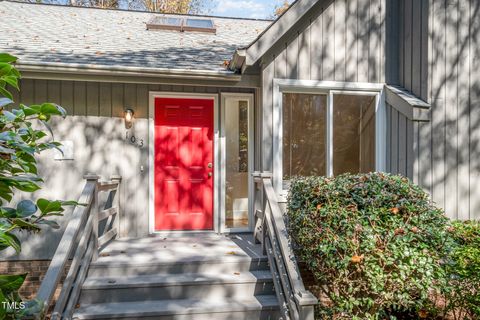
x=183, y=164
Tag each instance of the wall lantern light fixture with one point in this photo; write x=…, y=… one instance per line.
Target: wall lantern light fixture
x=128, y=116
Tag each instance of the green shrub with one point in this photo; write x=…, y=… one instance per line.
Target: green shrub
x=374, y=243
x=463, y=292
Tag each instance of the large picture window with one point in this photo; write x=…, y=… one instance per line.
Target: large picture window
x=327, y=133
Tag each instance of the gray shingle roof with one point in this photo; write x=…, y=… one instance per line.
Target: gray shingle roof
x=84, y=36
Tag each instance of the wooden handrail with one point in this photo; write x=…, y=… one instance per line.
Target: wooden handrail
x=296, y=302
x=82, y=241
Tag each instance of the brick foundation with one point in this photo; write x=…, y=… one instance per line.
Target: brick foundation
x=36, y=270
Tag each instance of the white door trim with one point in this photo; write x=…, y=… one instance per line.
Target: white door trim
x=151, y=154
x=251, y=159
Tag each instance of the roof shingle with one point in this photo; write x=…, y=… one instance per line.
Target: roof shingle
x=116, y=38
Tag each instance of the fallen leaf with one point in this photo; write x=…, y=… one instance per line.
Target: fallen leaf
x=394, y=210
x=356, y=259
x=232, y=252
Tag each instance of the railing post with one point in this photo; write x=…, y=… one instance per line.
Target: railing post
x=94, y=211
x=116, y=202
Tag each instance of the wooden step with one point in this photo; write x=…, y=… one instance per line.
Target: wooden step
x=176, y=286
x=261, y=308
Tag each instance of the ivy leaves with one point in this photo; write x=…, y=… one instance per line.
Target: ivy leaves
x=374, y=243
x=24, y=134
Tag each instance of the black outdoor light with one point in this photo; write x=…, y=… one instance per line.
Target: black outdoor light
x=128, y=116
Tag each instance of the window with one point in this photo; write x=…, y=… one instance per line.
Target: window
x=304, y=134
x=328, y=133
x=236, y=133
x=353, y=133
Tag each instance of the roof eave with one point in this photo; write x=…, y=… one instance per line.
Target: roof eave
x=87, y=69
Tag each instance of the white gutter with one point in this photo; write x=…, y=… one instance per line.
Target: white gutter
x=102, y=70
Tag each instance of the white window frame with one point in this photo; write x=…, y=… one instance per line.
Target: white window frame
x=328, y=88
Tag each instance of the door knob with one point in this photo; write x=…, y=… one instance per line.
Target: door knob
x=210, y=165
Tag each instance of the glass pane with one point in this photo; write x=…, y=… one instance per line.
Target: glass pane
x=353, y=133
x=304, y=120
x=236, y=143
x=199, y=23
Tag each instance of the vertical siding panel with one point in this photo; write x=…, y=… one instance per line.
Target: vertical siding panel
x=27, y=91
x=401, y=43
x=40, y=91
x=117, y=100
x=267, y=116
x=474, y=80
x=304, y=63
x=328, y=65
x=389, y=137
x=141, y=104
x=105, y=95
x=402, y=144
x=317, y=48
x=281, y=64
x=117, y=112
x=16, y=94
x=351, y=41
x=463, y=191
x=424, y=84
x=154, y=87
x=410, y=148
x=130, y=95
x=53, y=91
x=363, y=56
x=339, y=36
x=66, y=96
x=394, y=141
x=130, y=166
x=408, y=44
x=416, y=153
x=374, y=31
x=292, y=59
x=451, y=143
x=80, y=98
x=425, y=156
x=381, y=18
x=92, y=99
x=438, y=76
x=141, y=131
x=416, y=47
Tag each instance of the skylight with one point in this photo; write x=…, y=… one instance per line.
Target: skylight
x=165, y=23
x=181, y=24
x=202, y=25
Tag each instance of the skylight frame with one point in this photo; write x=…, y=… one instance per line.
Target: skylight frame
x=152, y=24
x=211, y=29
x=161, y=23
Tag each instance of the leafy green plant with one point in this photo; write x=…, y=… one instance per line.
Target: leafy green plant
x=463, y=270
x=20, y=142
x=374, y=243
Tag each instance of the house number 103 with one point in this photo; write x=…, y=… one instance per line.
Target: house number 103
x=134, y=140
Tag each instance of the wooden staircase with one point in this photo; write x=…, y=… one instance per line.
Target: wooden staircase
x=196, y=277
x=203, y=276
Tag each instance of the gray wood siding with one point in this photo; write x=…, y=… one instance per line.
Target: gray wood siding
x=448, y=147
x=340, y=40
x=438, y=55
x=96, y=127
